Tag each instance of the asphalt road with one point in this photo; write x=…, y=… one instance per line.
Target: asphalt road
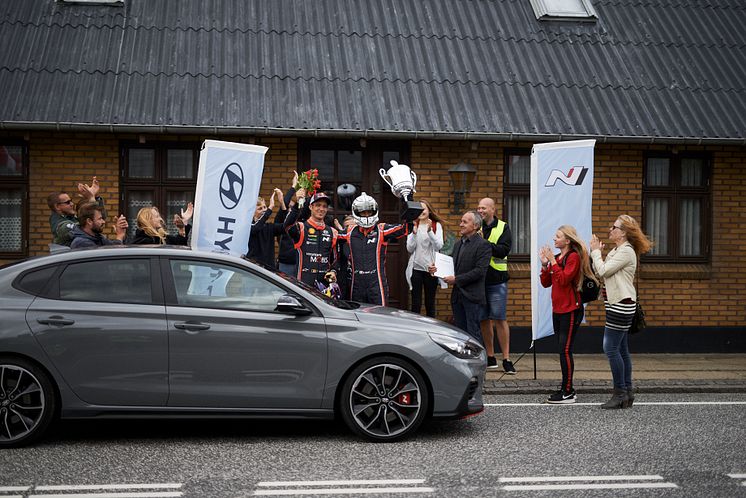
x=516, y=448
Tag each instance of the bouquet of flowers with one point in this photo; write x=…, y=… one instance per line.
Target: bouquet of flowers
x=309, y=180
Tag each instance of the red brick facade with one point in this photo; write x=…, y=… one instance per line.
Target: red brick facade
x=674, y=295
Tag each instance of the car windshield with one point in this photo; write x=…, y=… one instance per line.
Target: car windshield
x=338, y=303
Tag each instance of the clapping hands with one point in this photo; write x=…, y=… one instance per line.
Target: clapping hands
x=89, y=192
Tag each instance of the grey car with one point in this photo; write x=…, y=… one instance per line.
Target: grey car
x=167, y=331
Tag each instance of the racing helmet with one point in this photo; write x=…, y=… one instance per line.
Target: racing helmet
x=363, y=203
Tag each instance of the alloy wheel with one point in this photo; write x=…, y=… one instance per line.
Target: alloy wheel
x=22, y=403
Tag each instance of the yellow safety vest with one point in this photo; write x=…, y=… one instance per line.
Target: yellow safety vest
x=498, y=264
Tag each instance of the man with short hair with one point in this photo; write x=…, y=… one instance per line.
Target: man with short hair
x=313, y=239
x=89, y=232
x=471, y=258
x=498, y=234
x=63, y=219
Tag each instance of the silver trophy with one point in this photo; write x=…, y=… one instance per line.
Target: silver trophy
x=402, y=181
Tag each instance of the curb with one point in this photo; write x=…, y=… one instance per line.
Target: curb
x=604, y=387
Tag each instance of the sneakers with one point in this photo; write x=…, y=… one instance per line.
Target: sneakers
x=508, y=367
x=562, y=398
x=492, y=363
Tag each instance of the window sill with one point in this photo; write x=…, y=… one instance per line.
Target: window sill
x=648, y=271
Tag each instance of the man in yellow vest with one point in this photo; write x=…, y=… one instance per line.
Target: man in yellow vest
x=498, y=235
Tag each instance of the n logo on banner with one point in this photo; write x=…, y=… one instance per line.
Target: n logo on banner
x=574, y=177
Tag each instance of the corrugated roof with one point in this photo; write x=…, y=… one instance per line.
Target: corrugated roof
x=648, y=69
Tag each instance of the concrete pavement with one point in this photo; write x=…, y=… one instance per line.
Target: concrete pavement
x=652, y=373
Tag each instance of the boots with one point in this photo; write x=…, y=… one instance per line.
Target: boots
x=630, y=398
x=618, y=400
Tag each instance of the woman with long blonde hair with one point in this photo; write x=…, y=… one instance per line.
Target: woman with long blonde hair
x=151, y=230
x=564, y=273
x=620, y=300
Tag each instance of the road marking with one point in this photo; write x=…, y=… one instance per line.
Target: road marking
x=8, y=489
x=340, y=491
x=340, y=483
x=568, y=483
x=561, y=487
x=581, y=478
x=738, y=476
x=342, y=487
x=146, y=494
x=81, y=487
x=637, y=403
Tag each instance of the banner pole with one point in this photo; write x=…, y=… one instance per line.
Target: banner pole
x=534, y=348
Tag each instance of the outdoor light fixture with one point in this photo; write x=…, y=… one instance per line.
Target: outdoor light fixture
x=461, y=177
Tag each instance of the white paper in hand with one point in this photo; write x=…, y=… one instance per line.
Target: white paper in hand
x=443, y=265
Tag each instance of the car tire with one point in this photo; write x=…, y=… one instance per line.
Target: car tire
x=384, y=399
x=27, y=402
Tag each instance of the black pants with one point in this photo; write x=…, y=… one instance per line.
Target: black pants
x=420, y=279
x=565, y=327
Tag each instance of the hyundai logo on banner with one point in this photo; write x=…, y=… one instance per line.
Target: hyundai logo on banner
x=574, y=177
x=231, y=185
x=228, y=182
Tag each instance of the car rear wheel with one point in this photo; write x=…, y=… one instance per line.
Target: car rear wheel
x=27, y=402
x=384, y=399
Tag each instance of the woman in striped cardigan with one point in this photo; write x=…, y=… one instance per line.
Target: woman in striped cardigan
x=620, y=300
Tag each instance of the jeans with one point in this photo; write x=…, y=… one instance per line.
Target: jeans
x=287, y=269
x=466, y=316
x=616, y=348
x=420, y=279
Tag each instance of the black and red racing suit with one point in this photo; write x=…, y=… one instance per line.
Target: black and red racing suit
x=366, y=249
x=316, y=244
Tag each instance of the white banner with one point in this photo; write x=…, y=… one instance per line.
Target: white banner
x=227, y=188
x=561, y=194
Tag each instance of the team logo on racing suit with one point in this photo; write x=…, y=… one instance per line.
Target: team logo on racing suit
x=311, y=231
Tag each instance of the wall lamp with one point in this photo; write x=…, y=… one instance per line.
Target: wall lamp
x=462, y=175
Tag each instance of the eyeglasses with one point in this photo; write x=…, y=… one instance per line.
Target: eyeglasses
x=614, y=227
x=69, y=201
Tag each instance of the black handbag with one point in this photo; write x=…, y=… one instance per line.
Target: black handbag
x=638, y=321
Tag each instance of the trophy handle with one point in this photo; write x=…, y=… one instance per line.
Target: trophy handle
x=385, y=176
x=414, y=179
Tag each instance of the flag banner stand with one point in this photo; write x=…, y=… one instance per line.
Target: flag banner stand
x=228, y=183
x=561, y=194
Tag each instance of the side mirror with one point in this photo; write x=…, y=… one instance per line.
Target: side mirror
x=292, y=306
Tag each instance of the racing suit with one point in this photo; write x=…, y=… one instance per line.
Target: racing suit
x=366, y=249
x=316, y=244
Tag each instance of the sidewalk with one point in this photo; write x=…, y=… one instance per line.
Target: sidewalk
x=652, y=373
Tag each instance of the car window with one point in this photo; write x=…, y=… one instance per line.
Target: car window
x=209, y=285
x=109, y=281
x=35, y=281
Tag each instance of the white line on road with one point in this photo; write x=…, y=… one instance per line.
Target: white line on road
x=8, y=489
x=340, y=491
x=340, y=483
x=153, y=494
x=737, y=476
x=560, y=487
x=80, y=487
x=581, y=478
x=637, y=403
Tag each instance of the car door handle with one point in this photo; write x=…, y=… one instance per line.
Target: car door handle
x=191, y=326
x=55, y=320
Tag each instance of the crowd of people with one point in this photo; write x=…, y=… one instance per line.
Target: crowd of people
x=350, y=257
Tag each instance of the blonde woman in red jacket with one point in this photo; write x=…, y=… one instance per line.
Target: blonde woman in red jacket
x=564, y=273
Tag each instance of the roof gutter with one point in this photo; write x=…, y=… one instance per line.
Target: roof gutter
x=371, y=134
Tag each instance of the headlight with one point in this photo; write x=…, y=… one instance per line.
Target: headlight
x=462, y=349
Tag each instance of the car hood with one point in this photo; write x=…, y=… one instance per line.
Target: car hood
x=405, y=320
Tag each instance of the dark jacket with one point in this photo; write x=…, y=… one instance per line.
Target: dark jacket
x=287, y=253
x=82, y=239
x=174, y=240
x=62, y=226
x=262, y=239
x=471, y=260
x=500, y=250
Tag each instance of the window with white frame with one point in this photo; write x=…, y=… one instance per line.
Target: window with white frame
x=564, y=10
x=677, y=207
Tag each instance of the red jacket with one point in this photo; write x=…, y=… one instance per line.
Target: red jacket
x=563, y=279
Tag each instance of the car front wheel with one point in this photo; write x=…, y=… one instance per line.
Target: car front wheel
x=27, y=402
x=384, y=399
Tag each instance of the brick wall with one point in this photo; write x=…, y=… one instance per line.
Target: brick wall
x=683, y=295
